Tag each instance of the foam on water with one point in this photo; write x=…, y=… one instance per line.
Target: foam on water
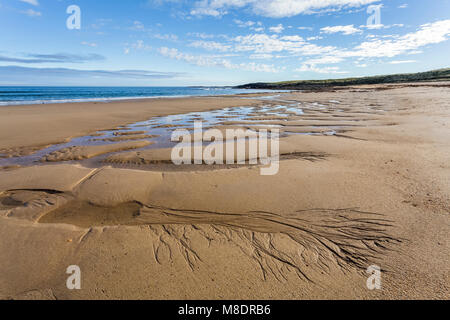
x=43, y=95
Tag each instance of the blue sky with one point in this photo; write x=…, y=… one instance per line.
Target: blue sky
x=218, y=42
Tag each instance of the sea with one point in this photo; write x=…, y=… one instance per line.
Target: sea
x=41, y=95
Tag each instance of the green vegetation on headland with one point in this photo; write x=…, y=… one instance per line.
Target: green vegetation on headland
x=435, y=75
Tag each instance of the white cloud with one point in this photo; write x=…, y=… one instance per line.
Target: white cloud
x=205, y=61
x=263, y=43
x=292, y=38
x=169, y=37
x=32, y=13
x=325, y=60
x=381, y=26
x=430, y=33
x=210, y=45
x=215, y=61
x=138, y=45
x=374, y=26
x=257, y=67
x=311, y=65
x=347, y=30
x=273, y=8
x=261, y=56
x=244, y=24
x=325, y=70
x=89, y=44
x=201, y=35
x=137, y=25
x=316, y=58
x=200, y=60
x=206, y=12
x=32, y=2
x=277, y=29
x=255, y=26
x=402, y=61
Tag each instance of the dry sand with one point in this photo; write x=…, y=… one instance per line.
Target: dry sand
x=378, y=192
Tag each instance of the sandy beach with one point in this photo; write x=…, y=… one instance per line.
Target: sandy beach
x=364, y=179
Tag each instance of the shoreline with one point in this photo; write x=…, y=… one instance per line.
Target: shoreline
x=3, y=104
x=94, y=116
x=18, y=140
x=13, y=103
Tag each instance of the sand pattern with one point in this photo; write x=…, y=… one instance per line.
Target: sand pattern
x=363, y=180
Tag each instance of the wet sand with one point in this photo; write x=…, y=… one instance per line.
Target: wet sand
x=364, y=180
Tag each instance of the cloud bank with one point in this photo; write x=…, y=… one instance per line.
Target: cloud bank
x=54, y=58
x=17, y=74
x=273, y=8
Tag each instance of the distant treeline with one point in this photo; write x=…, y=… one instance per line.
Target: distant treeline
x=435, y=75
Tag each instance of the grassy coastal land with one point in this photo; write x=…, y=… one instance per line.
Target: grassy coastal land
x=429, y=76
